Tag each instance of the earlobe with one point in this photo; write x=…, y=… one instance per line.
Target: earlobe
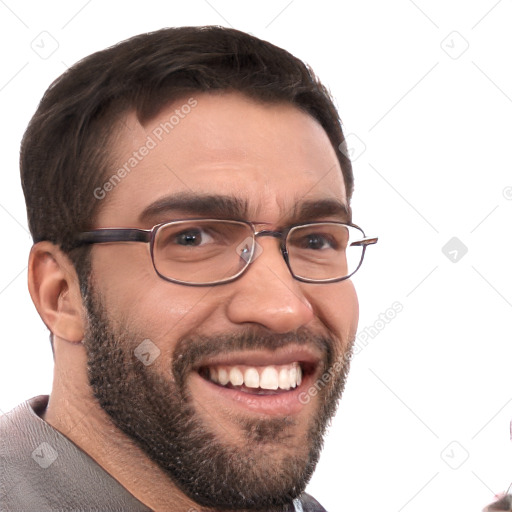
x=55, y=291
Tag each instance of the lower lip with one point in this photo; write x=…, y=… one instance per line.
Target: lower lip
x=280, y=404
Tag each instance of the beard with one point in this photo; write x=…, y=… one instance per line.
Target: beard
x=155, y=409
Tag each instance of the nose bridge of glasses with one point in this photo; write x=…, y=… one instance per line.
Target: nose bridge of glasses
x=275, y=234
x=271, y=233
x=267, y=232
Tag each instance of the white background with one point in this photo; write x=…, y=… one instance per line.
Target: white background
x=431, y=138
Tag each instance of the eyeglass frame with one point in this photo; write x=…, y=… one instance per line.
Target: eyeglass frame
x=112, y=235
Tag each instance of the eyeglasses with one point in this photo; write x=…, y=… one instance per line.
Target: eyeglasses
x=207, y=252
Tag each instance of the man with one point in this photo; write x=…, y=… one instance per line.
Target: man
x=188, y=192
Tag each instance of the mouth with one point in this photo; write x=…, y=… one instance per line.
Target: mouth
x=263, y=382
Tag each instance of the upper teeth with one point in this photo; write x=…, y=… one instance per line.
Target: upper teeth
x=287, y=376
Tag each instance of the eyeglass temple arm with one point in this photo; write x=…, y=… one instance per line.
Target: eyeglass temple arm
x=113, y=235
x=364, y=242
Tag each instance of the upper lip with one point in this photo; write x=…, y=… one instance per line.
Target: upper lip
x=281, y=356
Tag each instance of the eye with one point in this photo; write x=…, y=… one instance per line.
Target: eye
x=192, y=238
x=316, y=241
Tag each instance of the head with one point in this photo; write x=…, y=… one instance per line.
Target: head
x=179, y=124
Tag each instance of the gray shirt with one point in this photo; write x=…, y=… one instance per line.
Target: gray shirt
x=41, y=470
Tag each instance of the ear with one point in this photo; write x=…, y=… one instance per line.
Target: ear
x=55, y=291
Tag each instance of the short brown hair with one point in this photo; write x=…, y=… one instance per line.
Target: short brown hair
x=64, y=152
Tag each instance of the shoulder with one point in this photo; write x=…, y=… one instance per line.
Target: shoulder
x=19, y=427
x=308, y=504
x=20, y=437
x=41, y=469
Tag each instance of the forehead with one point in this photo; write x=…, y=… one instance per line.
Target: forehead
x=268, y=157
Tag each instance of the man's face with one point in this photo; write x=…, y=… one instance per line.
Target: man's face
x=224, y=445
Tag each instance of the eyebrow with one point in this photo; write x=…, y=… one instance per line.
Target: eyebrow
x=229, y=207
x=198, y=205
x=315, y=209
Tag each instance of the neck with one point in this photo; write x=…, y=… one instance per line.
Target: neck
x=73, y=411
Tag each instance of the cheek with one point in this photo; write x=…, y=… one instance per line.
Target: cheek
x=134, y=294
x=350, y=305
x=336, y=305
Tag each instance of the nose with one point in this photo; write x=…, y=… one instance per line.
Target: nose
x=268, y=295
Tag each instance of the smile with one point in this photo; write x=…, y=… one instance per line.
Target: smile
x=270, y=385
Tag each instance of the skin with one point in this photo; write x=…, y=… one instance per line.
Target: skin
x=273, y=156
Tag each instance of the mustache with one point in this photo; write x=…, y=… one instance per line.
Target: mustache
x=192, y=349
